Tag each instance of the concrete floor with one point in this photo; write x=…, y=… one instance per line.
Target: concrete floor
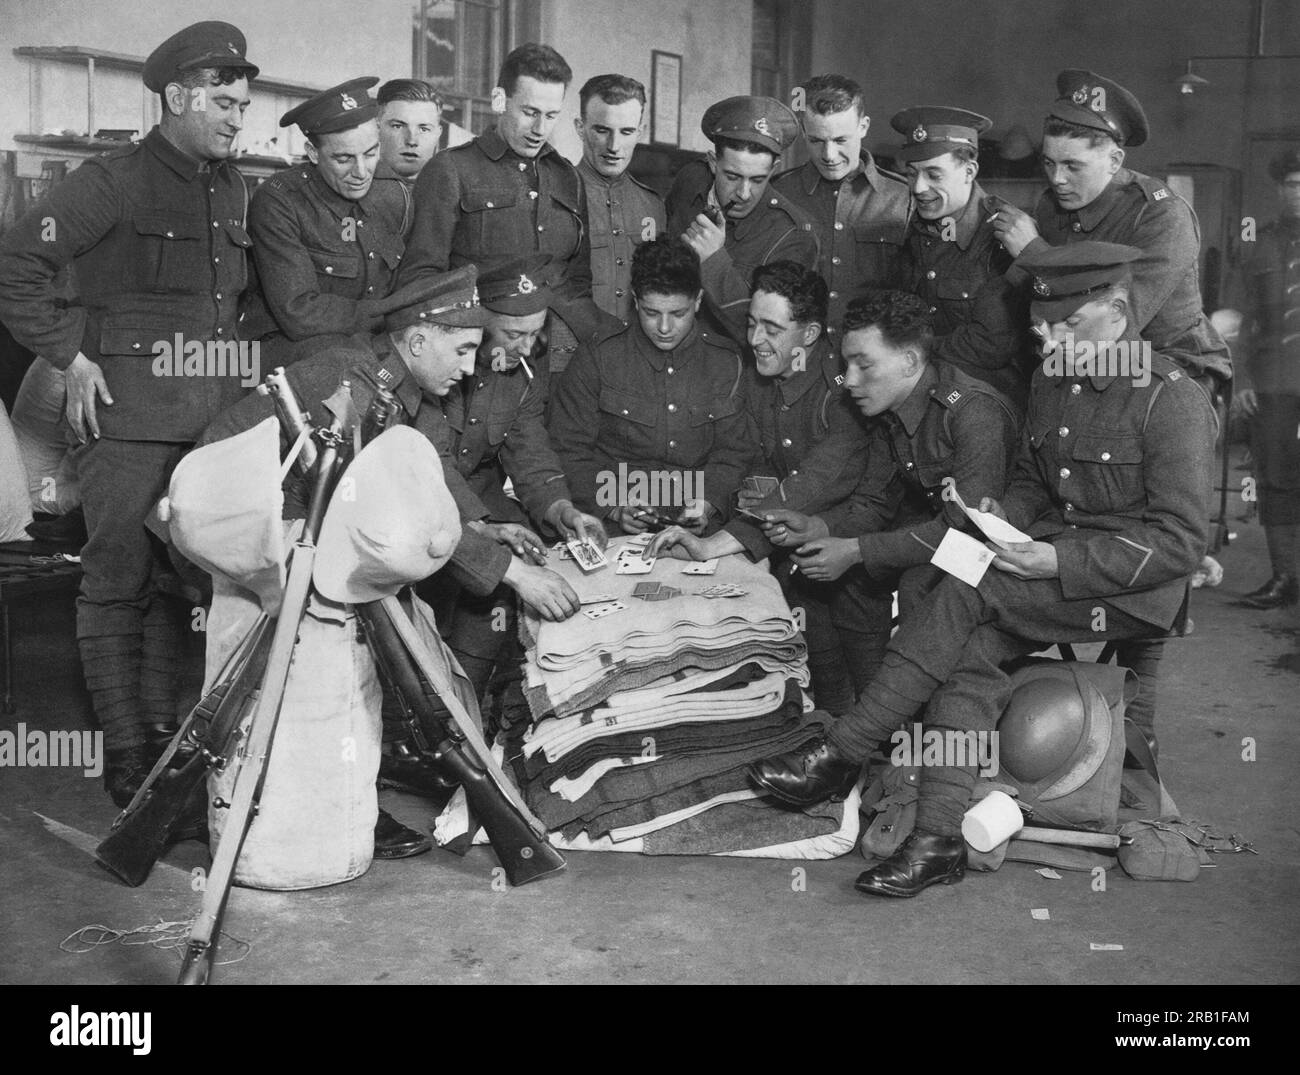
x=628, y=918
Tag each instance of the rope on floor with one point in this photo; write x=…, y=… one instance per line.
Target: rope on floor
x=165, y=935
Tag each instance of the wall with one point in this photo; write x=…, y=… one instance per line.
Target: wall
x=317, y=42
x=603, y=36
x=1001, y=57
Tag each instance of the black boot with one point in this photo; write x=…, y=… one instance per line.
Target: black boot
x=411, y=770
x=814, y=772
x=124, y=772
x=923, y=860
x=393, y=840
x=1281, y=591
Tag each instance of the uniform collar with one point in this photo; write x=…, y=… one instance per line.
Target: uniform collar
x=917, y=403
x=822, y=368
x=399, y=379
x=1095, y=211
x=659, y=359
x=384, y=171
x=968, y=220
x=1100, y=380
x=866, y=172
x=182, y=164
x=340, y=206
x=590, y=175
x=495, y=147
x=771, y=202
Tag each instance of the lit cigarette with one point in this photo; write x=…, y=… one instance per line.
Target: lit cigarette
x=524, y=362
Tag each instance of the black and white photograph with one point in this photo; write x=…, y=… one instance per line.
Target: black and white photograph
x=601, y=492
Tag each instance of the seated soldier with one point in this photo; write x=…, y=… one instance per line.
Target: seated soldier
x=433, y=328
x=1112, y=482
x=651, y=416
x=939, y=428
x=497, y=433
x=796, y=402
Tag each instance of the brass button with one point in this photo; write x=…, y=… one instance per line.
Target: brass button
x=930, y=275
x=839, y=226
x=1064, y=431
x=1069, y=507
x=473, y=421
x=329, y=268
x=490, y=205
x=672, y=408
x=1105, y=457
x=371, y=255
x=135, y=347
x=786, y=442
x=625, y=411
x=1065, y=472
x=171, y=235
x=672, y=444
x=835, y=261
x=1075, y=389
x=835, y=294
x=909, y=466
x=772, y=202
x=541, y=227
x=670, y=369
x=619, y=292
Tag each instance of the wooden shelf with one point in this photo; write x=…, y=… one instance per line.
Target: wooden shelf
x=118, y=61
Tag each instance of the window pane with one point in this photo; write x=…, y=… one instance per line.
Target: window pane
x=459, y=40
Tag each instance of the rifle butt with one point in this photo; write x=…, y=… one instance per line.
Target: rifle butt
x=523, y=853
x=140, y=836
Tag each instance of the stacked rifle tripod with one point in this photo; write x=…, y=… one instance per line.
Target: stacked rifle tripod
x=234, y=723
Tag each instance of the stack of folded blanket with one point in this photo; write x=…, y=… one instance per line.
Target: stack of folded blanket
x=648, y=706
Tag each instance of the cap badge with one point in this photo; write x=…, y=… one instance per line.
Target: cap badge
x=232, y=48
x=347, y=101
x=762, y=127
x=1041, y=288
x=526, y=286
x=920, y=134
x=1080, y=96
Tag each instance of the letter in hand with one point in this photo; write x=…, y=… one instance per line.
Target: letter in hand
x=85, y=386
x=992, y=507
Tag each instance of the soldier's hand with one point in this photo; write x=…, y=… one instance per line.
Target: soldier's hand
x=1027, y=559
x=695, y=516
x=705, y=237
x=519, y=540
x=747, y=498
x=991, y=507
x=827, y=559
x=1248, y=401
x=791, y=528
x=86, y=386
x=1014, y=228
x=678, y=543
x=577, y=525
x=542, y=590
x=628, y=519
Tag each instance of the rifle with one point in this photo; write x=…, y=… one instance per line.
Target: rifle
x=206, y=740
x=200, y=949
x=419, y=677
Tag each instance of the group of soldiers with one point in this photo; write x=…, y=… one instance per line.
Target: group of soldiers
x=825, y=361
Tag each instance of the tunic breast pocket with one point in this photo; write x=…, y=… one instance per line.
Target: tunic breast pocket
x=704, y=418
x=565, y=224
x=492, y=224
x=627, y=425
x=956, y=299
x=876, y=251
x=343, y=266
x=237, y=256
x=173, y=252
x=1106, y=471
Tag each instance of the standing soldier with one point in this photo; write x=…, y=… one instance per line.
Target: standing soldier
x=508, y=192
x=724, y=211
x=410, y=125
x=860, y=212
x=155, y=231
x=1091, y=196
x=953, y=259
x=327, y=237
x=1270, y=376
x=622, y=211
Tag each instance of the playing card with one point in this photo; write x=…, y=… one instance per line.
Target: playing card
x=639, y=540
x=563, y=550
x=722, y=590
x=635, y=566
x=658, y=595
x=703, y=567
x=597, y=611
x=587, y=555
x=643, y=588
x=599, y=599
x=762, y=484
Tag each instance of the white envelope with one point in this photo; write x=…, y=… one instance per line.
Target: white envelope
x=963, y=557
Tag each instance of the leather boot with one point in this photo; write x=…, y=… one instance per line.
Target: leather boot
x=411, y=770
x=814, y=772
x=1281, y=591
x=124, y=772
x=924, y=859
x=393, y=840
